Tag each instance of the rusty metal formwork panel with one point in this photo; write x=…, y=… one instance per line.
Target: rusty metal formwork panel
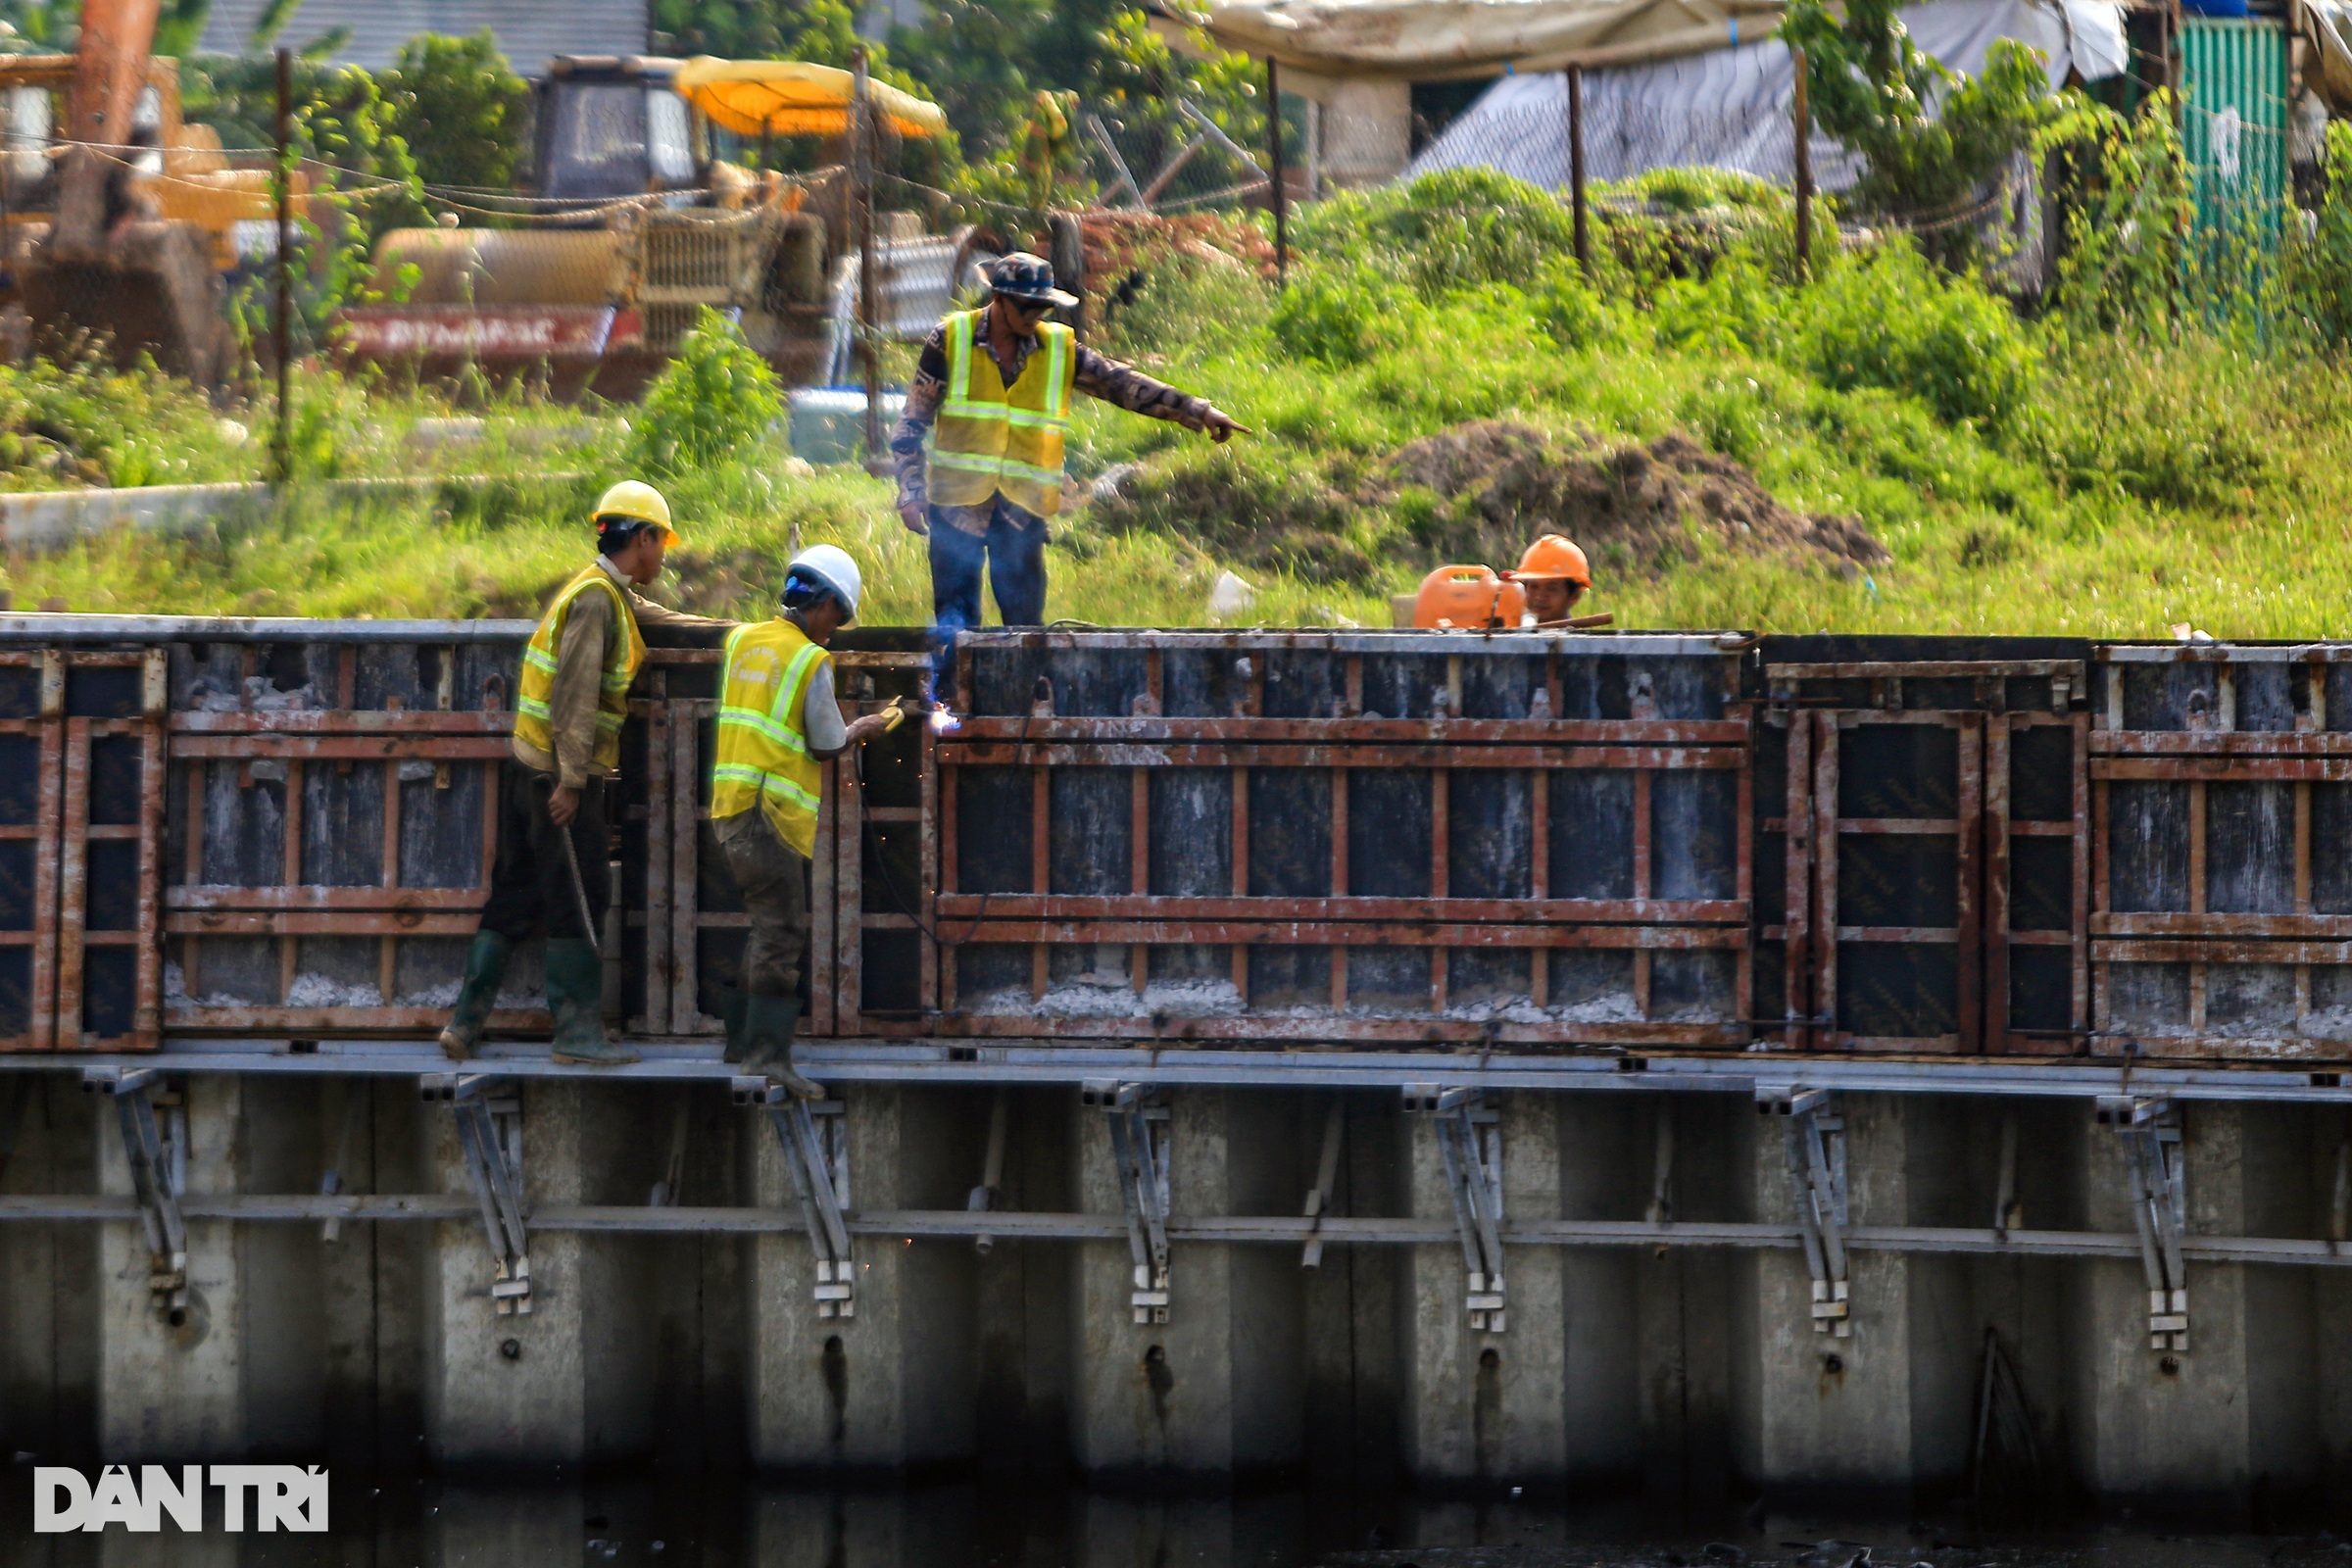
x=333, y=819
x=32, y=700
x=80, y=820
x=868, y=883
x=1345, y=837
x=1922, y=824
x=2222, y=788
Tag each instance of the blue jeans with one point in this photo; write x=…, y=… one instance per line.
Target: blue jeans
x=1015, y=557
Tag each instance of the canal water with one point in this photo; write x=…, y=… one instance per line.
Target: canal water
x=662, y=1523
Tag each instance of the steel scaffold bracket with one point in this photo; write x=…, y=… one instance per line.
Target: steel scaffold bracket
x=815, y=1141
x=1139, y=1147
x=489, y=1118
x=1814, y=1146
x=1327, y=1177
x=1470, y=1145
x=156, y=1148
x=2156, y=1172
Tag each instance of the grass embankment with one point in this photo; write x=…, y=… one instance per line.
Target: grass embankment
x=1886, y=450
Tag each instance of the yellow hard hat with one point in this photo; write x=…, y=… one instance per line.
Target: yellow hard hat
x=637, y=501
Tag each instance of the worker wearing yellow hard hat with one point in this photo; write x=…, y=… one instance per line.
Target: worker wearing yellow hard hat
x=571, y=699
x=1555, y=575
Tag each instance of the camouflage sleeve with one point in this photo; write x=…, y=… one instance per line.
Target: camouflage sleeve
x=914, y=419
x=1100, y=377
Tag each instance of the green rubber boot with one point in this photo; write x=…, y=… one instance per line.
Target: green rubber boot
x=768, y=1026
x=485, y=967
x=732, y=1004
x=575, y=995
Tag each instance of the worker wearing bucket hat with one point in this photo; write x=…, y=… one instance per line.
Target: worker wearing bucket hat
x=570, y=703
x=992, y=390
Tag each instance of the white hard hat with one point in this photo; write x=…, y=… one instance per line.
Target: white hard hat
x=831, y=564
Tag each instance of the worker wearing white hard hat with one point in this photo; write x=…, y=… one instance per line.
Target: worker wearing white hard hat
x=571, y=701
x=778, y=719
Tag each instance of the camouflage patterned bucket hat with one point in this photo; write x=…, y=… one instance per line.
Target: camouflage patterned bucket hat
x=1025, y=277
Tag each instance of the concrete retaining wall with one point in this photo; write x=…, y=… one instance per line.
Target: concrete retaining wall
x=1687, y=1372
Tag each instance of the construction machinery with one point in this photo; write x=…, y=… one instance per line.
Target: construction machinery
x=179, y=170
x=109, y=264
x=635, y=225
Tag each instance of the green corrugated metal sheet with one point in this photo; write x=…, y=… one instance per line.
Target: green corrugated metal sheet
x=2234, y=129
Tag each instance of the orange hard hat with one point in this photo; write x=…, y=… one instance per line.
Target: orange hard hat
x=1554, y=556
x=1468, y=599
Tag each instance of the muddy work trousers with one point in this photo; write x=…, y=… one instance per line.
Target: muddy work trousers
x=774, y=879
x=530, y=881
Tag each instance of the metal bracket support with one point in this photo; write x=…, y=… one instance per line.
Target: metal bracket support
x=156, y=1148
x=2156, y=1170
x=489, y=1116
x=989, y=1195
x=1138, y=1147
x=1814, y=1145
x=1470, y=1143
x=815, y=1141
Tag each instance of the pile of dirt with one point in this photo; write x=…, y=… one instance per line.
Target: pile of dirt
x=1631, y=508
x=1122, y=247
x=1476, y=493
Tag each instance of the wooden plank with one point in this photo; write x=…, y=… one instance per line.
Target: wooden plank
x=1969, y=933
x=992, y=753
x=1169, y=907
x=687, y=1015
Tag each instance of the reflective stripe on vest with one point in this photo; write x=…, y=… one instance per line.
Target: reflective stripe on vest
x=763, y=755
x=991, y=439
x=533, y=719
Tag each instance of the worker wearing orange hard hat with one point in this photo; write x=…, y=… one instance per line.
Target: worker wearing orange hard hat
x=1555, y=575
x=1552, y=576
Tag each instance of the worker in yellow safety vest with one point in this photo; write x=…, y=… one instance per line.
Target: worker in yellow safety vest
x=778, y=721
x=997, y=382
x=551, y=869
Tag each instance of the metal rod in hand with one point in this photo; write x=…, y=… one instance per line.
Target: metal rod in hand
x=579, y=884
x=1282, y=203
x=281, y=334
x=1575, y=167
x=1804, y=172
x=862, y=162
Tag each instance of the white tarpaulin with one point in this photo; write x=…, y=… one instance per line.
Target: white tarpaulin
x=1734, y=108
x=1426, y=40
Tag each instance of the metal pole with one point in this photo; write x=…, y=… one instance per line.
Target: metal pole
x=1804, y=172
x=861, y=163
x=280, y=325
x=1281, y=205
x=1575, y=167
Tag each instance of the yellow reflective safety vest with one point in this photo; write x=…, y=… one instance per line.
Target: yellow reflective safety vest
x=764, y=756
x=993, y=439
x=625, y=652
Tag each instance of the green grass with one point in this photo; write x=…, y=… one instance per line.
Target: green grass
x=2025, y=482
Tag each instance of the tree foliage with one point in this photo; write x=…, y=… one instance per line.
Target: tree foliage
x=1933, y=140
x=461, y=108
x=2124, y=185
x=715, y=399
x=2323, y=272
